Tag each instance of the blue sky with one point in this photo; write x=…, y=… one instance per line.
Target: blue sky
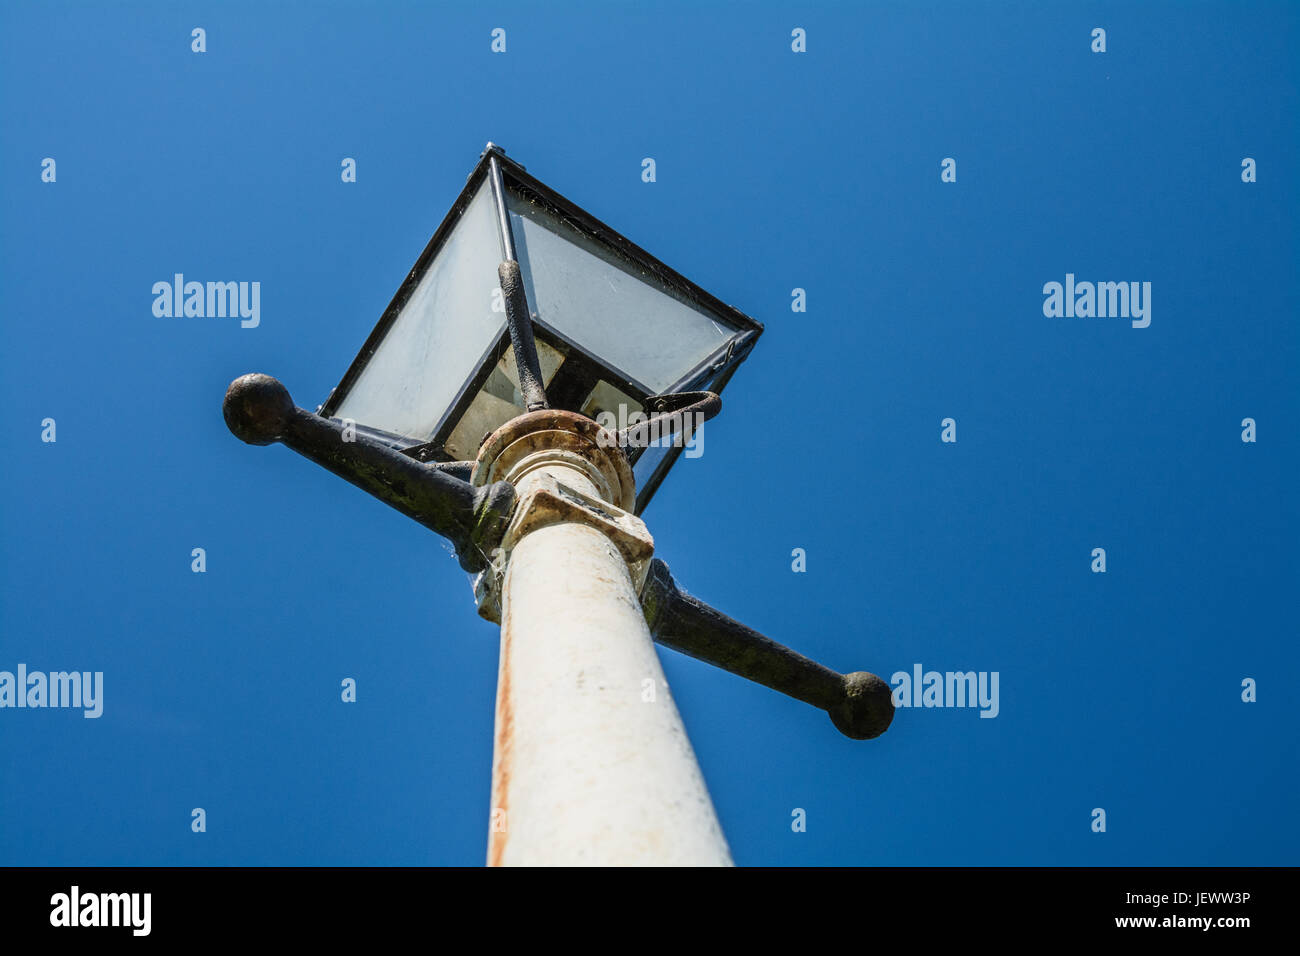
x=775, y=170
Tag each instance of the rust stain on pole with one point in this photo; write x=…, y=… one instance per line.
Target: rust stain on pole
x=505, y=719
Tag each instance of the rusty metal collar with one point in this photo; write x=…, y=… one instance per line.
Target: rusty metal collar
x=537, y=438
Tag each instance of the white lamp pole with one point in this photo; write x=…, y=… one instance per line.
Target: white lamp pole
x=591, y=763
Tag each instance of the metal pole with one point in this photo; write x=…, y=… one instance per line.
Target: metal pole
x=518, y=318
x=591, y=763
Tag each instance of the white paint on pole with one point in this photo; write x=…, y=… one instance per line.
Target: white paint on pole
x=587, y=770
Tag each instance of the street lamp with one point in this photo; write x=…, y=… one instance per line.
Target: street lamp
x=603, y=326
x=524, y=395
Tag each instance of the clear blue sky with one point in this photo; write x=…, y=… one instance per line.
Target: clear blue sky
x=775, y=170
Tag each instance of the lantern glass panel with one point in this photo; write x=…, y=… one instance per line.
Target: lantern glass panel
x=611, y=306
x=439, y=336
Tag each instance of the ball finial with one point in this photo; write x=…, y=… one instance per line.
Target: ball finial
x=257, y=409
x=867, y=709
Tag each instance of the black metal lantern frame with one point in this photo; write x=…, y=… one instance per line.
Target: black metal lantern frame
x=583, y=369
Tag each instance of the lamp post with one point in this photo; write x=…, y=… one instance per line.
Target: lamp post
x=524, y=395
